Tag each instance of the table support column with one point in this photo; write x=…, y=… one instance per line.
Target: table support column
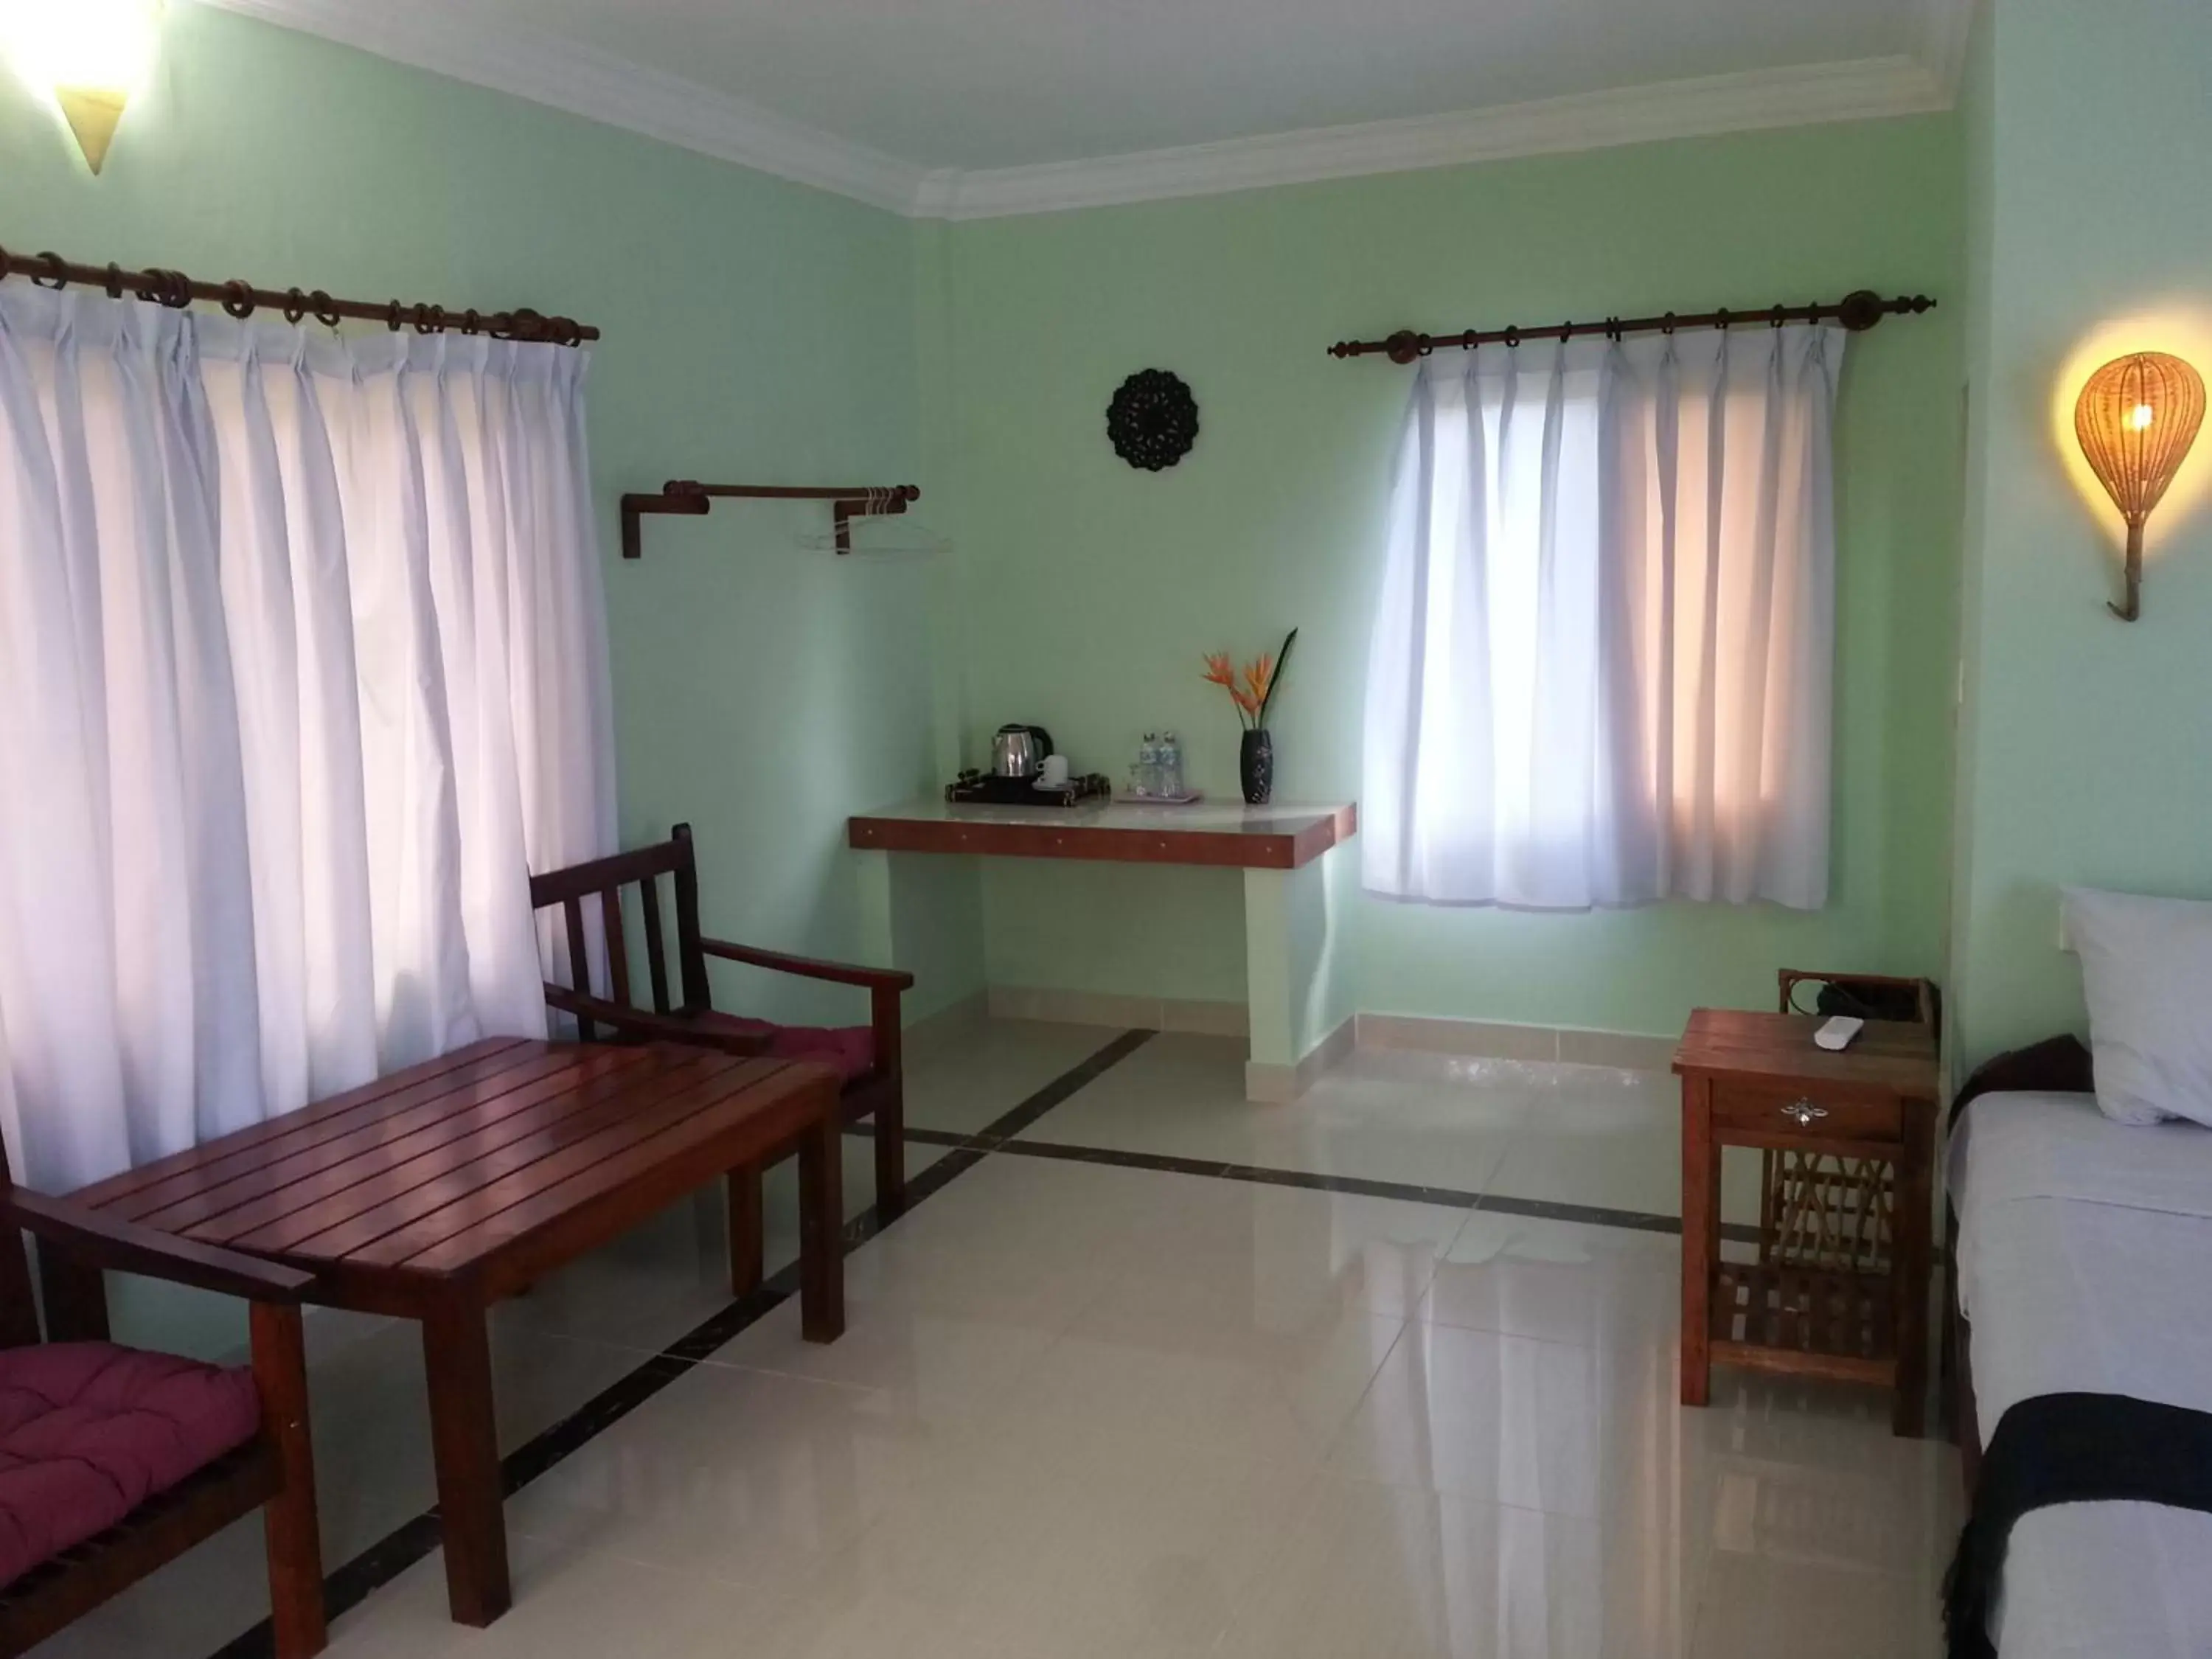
x=1296, y=980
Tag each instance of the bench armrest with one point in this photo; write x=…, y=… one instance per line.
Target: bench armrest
x=103, y=1240
x=874, y=979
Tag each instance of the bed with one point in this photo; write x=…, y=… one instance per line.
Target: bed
x=2085, y=1264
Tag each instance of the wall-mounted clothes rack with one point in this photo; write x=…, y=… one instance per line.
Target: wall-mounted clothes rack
x=242, y=300
x=688, y=499
x=1858, y=312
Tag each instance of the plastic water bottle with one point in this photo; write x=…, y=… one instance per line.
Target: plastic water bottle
x=1148, y=765
x=1171, y=766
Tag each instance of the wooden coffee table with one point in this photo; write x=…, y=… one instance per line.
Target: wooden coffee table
x=439, y=1190
x=1860, y=1125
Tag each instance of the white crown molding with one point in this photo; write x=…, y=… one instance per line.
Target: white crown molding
x=1853, y=91
x=602, y=87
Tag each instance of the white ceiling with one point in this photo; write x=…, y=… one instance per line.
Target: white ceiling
x=972, y=106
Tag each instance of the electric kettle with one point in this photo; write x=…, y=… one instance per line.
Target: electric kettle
x=1018, y=751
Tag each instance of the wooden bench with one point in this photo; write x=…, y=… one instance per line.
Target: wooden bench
x=439, y=1190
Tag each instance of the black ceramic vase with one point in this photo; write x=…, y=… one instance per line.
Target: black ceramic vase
x=1256, y=768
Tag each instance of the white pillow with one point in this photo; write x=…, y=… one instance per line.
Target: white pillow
x=2147, y=970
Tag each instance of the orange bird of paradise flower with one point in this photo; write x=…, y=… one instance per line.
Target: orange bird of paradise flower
x=1251, y=688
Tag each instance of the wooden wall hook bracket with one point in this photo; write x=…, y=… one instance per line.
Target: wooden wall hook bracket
x=691, y=499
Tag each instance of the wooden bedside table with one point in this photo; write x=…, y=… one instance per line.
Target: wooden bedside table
x=1840, y=1289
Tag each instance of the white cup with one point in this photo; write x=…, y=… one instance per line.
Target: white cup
x=1054, y=775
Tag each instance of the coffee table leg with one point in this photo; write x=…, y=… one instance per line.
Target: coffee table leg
x=822, y=1228
x=1700, y=1201
x=748, y=1225
x=465, y=1436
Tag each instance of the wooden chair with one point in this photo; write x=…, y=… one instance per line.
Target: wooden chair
x=273, y=1471
x=867, y=1056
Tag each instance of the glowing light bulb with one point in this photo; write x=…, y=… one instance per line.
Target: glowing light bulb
x=88, y=56
x=2141, y=416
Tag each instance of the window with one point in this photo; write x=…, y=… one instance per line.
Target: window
x=1601, y=668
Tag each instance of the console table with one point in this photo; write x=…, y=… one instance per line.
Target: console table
x=1293, y=857
x=1840, y=1288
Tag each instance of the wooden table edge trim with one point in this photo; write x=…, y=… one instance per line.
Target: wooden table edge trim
x=1262, y=849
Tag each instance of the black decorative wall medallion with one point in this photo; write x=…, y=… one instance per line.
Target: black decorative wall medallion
x=1153, y=420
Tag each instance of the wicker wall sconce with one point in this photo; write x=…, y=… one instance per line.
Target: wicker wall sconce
x=2137, y=420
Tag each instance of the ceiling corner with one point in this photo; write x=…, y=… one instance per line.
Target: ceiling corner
x=606, y=89
x=1945, y=27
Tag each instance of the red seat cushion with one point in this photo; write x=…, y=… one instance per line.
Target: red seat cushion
x=88, y=1431
x=850, y=1050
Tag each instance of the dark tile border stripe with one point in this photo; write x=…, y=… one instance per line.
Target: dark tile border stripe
x=383, y=1561
x=1358, y=1186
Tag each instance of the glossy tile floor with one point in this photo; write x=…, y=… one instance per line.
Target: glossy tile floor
x=1107, y=1408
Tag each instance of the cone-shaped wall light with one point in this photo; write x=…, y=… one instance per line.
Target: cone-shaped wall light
x=88, y=56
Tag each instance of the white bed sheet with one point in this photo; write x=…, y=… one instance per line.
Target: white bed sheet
x=2084, y=1263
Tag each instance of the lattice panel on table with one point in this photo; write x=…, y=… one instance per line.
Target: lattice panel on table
x=1821, y=1211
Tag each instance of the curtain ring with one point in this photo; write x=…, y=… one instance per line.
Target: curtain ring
x=238, y=299
x=1778, y=318
x=295, y=305
x=499, y=325
x=429, y=319
x=471, y=323
x=56, y=272
x=1612, y=329
x=114, y=279
x=396, y=316
x=326, y=309
x=1666, y=323
x=1513, y=336
x=1722, y=320
x=172, y=288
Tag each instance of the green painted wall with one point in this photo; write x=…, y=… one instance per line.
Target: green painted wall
x=1090, y=589
x=754, y=330
x=2086, y=759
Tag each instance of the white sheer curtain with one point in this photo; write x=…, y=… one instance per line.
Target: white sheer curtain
x=1601, y=671
x=302, y=653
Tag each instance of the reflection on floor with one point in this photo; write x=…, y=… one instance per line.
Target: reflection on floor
x=1085, y=1409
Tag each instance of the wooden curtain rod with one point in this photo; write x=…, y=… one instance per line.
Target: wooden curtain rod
x=689, y=499
x=1856, y=312
x=242, y=300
